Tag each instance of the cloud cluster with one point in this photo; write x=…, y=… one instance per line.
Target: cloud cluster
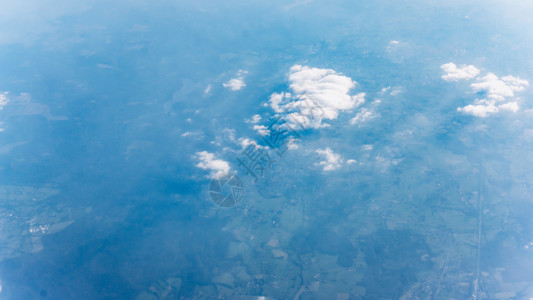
x=216, y=167
x=498, y=93
x=317, y=95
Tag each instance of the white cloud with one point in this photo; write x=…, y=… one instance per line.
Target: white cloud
x=216, y=167
x=276, y=100
x=515, y=83
x=351, y=161
x=317, y=95
x=484, y=108
x=499, y=89
x=332, y=160
x=499, y=93
x=237, y=83
x=454, y=73
x=479, y=110
x=510, y=106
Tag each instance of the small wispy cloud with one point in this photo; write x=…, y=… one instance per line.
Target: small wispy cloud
x=207, y=90
x=3, y=100
x=332, y=160
x=254, y=120
x=104, y=66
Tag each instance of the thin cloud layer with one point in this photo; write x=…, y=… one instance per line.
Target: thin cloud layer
x=3, y=102
x=317, y=95
x=208, y=162
x=498, y=93
x=362, y=116
x=366, y=114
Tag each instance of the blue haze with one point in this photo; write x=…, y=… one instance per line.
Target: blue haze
x=101, y=198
